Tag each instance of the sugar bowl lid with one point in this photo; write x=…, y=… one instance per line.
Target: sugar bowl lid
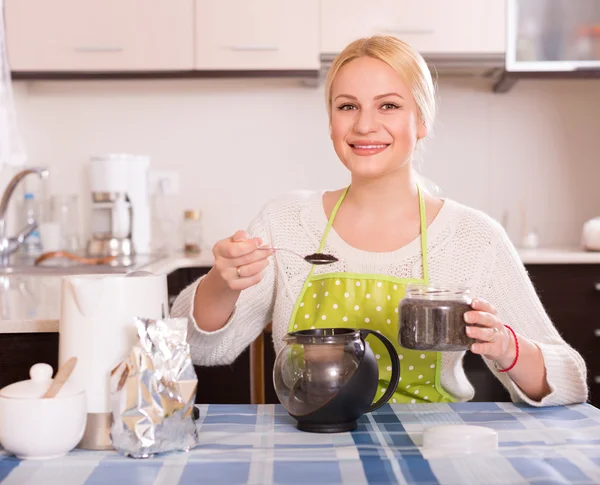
x=35, y=388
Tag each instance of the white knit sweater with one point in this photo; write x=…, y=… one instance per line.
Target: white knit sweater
x=465, y=246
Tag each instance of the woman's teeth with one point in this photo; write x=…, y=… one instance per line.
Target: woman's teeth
x=369, y=147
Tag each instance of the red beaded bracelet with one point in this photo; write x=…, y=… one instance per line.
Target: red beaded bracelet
x=516, y=348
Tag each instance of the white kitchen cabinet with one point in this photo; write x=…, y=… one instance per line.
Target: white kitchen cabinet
x=343, y=21
x=471, y=26
x=431, y=26
x=100, y=35
x=257, y=35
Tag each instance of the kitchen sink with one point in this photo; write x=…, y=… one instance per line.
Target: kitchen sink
x=61, y=267
x=29, y=292
x=60, y=270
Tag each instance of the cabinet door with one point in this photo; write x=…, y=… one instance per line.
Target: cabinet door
x=571, y=296
x=430, y=26
x=343, y=21
x=470, y=26
x=107, y=35
x=257, y=35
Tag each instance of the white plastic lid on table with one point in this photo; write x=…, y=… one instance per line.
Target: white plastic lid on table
x=461, y=439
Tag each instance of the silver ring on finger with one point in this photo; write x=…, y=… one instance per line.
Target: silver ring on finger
x=494, y=334
x=237, y=270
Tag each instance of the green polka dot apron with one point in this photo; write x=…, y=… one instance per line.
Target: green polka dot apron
x=335, y=300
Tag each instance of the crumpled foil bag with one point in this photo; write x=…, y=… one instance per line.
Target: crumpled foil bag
x=153, y=392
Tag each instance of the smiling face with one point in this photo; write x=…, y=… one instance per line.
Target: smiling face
x=375, y=122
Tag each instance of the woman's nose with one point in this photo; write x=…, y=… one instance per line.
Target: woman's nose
x=366, y=122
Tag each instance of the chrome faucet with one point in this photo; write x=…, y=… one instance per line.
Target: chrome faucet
x=10, y=245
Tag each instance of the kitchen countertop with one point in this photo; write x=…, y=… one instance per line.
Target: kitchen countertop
x=48, y=288
x=565, y=255
x=250, y=444
x=550, y=255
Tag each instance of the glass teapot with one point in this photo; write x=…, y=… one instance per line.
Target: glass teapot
x=327, y=378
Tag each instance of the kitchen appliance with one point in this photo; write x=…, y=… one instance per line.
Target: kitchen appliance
x=553, y=36
x=590, y=236
x=327, y=378
x=97, y=326
x=120, y=219
x=549, y=39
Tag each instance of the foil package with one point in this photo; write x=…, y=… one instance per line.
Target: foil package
x=153, y=392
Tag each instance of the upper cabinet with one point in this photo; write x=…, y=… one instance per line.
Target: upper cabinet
x=257, y=35
x=106, y=35
x=471, y=26
x=431, y=26
x=120, y=36
x=343, y=21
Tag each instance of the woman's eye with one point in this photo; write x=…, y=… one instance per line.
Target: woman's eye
x=387, y=106
x=346, y=107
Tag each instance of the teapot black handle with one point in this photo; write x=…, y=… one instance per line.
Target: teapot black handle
x=395, y=378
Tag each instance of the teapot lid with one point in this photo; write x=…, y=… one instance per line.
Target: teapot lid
x=34, y=388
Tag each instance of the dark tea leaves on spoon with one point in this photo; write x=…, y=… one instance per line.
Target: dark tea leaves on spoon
x=320, y=258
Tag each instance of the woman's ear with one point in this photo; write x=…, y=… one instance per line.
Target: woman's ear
x=422, y=130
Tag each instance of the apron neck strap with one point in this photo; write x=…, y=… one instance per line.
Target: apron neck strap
x=422, y=215
x=332, y=217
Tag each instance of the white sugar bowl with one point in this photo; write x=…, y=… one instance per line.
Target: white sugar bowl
x=36, y=428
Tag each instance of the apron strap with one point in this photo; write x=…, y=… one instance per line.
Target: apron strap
x=423, y=215
x=332, y=217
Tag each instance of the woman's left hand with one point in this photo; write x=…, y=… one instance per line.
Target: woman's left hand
x=494, y=340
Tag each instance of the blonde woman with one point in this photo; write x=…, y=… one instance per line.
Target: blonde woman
x=386, y=233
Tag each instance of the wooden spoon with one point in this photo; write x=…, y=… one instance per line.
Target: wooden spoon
x=60, y=378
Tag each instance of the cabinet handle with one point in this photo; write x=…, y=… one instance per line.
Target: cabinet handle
x=597, y=379
x=98, y=48
x=387, y=30
x=597, y=286
x=254, y=47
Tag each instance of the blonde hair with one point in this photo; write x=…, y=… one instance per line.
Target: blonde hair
x=406, y=61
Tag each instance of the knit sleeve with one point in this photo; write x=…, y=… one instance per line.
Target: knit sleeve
x=509, y=288
x=251, y=314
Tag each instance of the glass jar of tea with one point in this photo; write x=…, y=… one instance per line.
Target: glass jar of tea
x=432, y=318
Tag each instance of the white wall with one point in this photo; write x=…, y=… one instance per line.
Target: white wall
x=237, y=143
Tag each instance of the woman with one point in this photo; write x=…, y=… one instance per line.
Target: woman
x=385, y=232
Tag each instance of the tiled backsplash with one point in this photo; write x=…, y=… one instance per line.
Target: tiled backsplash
x=236, y=143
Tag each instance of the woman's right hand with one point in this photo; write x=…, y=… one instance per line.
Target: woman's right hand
x=239, y=262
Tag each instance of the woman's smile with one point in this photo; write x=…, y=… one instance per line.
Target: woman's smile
x=366, y=148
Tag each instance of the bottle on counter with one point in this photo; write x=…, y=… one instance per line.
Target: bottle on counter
x=192, y=232
x=33, y=243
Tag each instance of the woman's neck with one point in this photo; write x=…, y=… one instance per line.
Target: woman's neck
x=396, y=191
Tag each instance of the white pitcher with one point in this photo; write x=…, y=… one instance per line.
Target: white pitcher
x=97, y=326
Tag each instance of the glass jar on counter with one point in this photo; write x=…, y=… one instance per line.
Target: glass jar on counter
x=192, y=232
x=432, y=318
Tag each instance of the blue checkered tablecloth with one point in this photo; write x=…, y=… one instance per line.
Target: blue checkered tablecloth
x=244, y=444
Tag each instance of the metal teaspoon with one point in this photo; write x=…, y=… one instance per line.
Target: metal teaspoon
x=314, y=258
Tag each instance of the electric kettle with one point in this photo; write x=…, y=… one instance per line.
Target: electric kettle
x=327, y=378
x=97, y=326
